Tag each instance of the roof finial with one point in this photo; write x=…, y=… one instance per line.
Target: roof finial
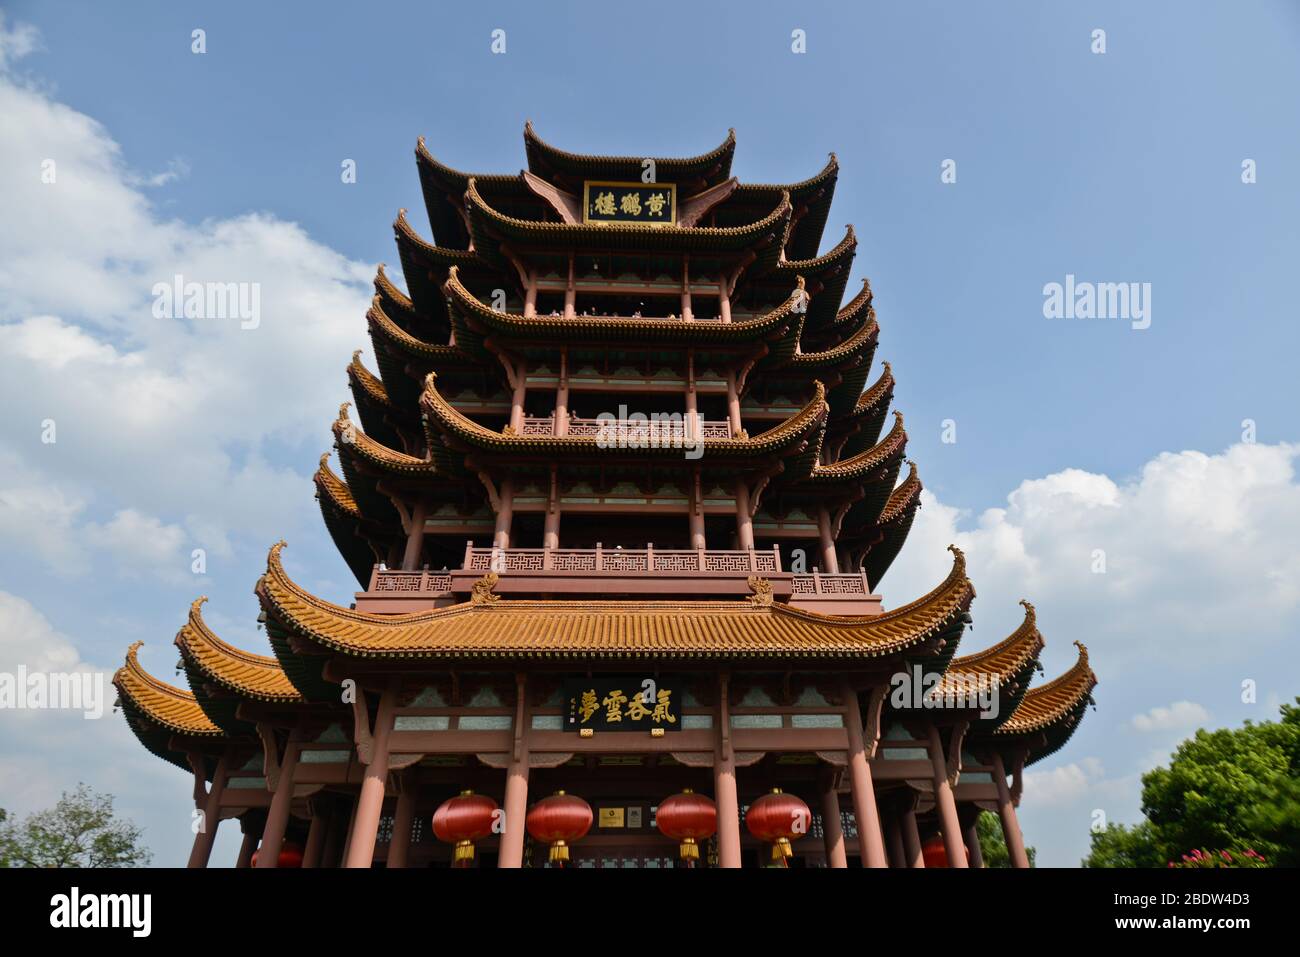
x=343, y=411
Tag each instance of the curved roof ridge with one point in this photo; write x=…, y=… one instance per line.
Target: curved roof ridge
x=1008, y=655
x=865, y=461
x=164, y=704
x=1049, y=703
x=475, y=200
x=335, y=488
x=727, y=146
x=901, y=496
x=462, y=297
x=347, y=434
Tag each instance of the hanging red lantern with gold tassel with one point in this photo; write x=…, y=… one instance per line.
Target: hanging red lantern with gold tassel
x=462, y=820
x=290, y=856
x=778, y=818
x=559, y=820
x=687, y=818
x=935, y=853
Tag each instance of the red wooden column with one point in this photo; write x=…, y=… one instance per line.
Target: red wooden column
x=203, y=840
x=686, y=288
x=864, y=791
x=277, y=818
x=945, y=805
x=561, y=424
x=505, y=514
x=744, y=522
x=246, y=849
x=725, y=795
x=570, y=293
x=971, y=834
x=830, y=560
x=1007, y=812
x=415, y=537
x=321, y=820
x=511, y=851
x=894, y=839
x=370, y=804
x=530, y=294
x=349, y=826
x=399, y=848
x=832, y=830
x=696, y=517
x=733, y=404
x=551, y=522
x=517, y=400
x=692, y=426
x=912, y=836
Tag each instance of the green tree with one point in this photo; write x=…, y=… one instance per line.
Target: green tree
x=79, y=831
x=1121, y=846
x=993, y=846
x=1233, y=789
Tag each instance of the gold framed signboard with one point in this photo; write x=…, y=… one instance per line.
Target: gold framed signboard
x=636, y=204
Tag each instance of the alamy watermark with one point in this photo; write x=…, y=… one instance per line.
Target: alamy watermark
x=82, y=691
x=920, y=690
x=659, y=430
x=1098, y=300
x=179, y=299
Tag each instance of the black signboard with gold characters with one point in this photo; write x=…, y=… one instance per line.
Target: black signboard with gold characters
x=622, y=703
x=640, y=204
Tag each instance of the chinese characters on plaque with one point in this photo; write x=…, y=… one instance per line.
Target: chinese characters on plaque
x=624, y=703
x=643, y=204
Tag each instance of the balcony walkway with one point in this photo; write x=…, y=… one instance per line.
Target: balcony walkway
x=645, y=573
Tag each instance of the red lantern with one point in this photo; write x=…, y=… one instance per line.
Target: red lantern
x=687, y=818
x=462, y=820
x=290, y=856
x=778, y=818
x=935, y=853
x=558, y=821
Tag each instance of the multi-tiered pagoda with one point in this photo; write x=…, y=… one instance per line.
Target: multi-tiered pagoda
x=619, y=492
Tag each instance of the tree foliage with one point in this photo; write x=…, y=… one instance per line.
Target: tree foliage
x=81, y=830
x=1233, y=789
x=993, y=845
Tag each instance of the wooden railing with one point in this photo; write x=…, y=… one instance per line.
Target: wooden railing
x=545, y=425
x=394, y=581
x=621, y=560
x=618, y=562
x=821, y=584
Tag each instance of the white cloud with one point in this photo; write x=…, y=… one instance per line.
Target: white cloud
x=1179, y=716
x=1199, y=554
x=170, y=433
x=17, y=42
x=1065, y=784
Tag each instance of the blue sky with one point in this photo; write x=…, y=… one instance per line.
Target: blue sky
x=1119, y=167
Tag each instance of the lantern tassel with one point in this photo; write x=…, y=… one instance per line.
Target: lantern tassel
x=559, y=853
x=690, y=851
x=781, y=849
x=464, y=854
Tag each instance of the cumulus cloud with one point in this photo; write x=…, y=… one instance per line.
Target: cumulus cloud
x=168, y=434
x=1179, y=716
x=1194, y=553
x=16, y=41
